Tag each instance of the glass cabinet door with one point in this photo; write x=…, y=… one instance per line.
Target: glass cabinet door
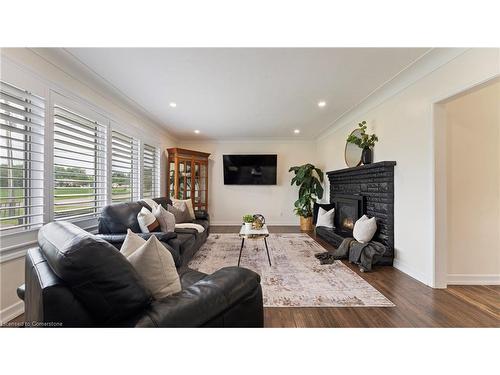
x=171, y=179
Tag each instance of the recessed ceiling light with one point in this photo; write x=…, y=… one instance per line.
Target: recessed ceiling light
x=296, y=131
x=197, y=131
x=172, y=104
x=321, y=104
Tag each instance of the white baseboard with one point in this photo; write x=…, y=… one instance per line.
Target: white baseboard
x=11, y=312
x=403, y=267
x=468, y=279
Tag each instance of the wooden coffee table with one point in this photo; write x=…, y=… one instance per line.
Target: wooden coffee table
x=254, y=234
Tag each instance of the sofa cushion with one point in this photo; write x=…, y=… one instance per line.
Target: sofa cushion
x=99, y=276
x=186, y=242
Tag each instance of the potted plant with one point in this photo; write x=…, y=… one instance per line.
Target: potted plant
x=248, y=220
x=309, y=179
x=365, y=142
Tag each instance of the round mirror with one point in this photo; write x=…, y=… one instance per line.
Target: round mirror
x=352, y=152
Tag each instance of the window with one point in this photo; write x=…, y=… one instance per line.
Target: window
x=124, y=168
x=21, y=159
x=150, y=169
x=79, y=165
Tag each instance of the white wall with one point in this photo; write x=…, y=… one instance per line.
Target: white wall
x=473, y=186
x=35, y=71
x=403, y=122
x=228, y=203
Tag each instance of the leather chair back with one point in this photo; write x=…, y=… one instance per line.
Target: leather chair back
x=48, y=299
x=99, y=276
x=118, y=217
x=164, y=201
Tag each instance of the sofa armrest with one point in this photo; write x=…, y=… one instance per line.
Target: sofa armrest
x=209, y=300
x=186, y=231
x=202, y=215
x=165, y=238
x=21, y=291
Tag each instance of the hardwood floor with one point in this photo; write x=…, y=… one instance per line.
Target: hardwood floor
x=417, y=305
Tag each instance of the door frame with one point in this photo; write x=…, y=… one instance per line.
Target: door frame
x=439, y=178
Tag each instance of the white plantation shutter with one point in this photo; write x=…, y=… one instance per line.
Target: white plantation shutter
x=124, y=168
x=21, y=159
x=79, y=165
x=150, y=171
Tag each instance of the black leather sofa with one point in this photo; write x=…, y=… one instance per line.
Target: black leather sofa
x=76, y=279
x=116, y=218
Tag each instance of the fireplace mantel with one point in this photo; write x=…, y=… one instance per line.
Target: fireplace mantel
x=368, y=167
x=375, y=182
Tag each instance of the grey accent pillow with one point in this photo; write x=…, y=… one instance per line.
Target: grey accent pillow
x=165, y=218
x=181, y=213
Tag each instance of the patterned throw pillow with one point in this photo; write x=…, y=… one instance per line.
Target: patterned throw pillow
x=180, y=212
x=147, y=221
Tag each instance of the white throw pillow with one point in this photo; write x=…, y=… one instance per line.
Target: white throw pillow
x=151, y=203
x=364, y=229
x=198, y=227
x=132, y=243
x=189, y=204
x=155, y=265
x=325, y=218
x=145, y=219
x=165, y=218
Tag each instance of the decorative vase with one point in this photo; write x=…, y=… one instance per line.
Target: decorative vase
x=306, y=223
x=248, y=227
x=367, y=156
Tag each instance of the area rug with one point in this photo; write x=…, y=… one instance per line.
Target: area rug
x=295, y=279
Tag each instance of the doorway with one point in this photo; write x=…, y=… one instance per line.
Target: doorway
x=467, y=183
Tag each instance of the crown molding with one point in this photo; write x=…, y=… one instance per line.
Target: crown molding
x=245, y=140
x=65, y=61
x=420, y=68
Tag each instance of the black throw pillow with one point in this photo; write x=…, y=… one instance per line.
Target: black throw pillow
x=100, y=277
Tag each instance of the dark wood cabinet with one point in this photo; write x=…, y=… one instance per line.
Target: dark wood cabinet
x=187, y=176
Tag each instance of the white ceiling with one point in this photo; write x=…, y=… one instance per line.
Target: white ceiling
x=255, y=93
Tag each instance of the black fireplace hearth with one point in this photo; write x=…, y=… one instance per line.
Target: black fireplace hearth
x=370, y=189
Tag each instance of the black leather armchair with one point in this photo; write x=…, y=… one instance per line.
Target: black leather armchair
x=75, y=279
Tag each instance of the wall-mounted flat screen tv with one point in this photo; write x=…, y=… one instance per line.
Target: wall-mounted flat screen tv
x=250, y=169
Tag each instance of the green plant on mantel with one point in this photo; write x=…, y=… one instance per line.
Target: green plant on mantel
x=309, y=179
x=366, y=140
